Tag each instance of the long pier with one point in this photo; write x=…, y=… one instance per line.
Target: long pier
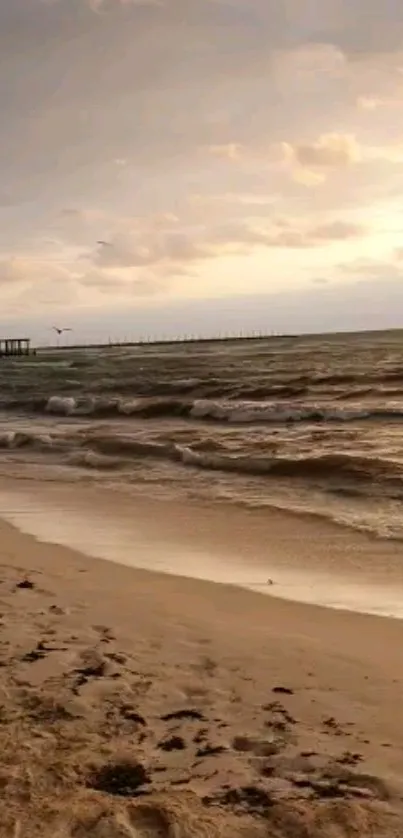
x=219, y=339
x=182, y=341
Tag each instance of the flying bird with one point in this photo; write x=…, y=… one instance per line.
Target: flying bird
x=104, y=243
x=60, y=331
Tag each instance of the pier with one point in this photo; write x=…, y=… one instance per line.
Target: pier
x=14, y=347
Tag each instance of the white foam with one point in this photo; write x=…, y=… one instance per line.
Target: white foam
x=61, y=405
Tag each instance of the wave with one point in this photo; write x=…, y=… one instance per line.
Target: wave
x=220, y=411
x=340, y=469
x=271, y=412
x=103, y=407
x=327, y=466
x=115, y=451
x=343, y=469
x=229, y=411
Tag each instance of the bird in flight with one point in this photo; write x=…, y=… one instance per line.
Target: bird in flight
x=60, y=331
x=104, y=243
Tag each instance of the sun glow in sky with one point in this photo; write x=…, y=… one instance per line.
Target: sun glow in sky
x=181, y=155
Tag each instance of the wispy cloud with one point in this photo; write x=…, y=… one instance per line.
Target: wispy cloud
x=310, y=163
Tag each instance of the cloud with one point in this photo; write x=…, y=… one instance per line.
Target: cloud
x=310, y=163
x=153, y=248
x=330, y=151
x=338, y=231
x=170, y=249
x=26, y=281
x=148, y=256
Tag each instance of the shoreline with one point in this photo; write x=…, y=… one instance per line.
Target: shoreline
x=151, y=577
x=308, y=559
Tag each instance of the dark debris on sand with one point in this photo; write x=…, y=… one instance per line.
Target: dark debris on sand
x=132, y=715
x=25, y=584
x=126, y=778
x=181, y=715
x=282, y=691
x=174, y=743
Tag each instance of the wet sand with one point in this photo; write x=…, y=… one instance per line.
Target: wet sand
x=137, y=704
x=308, y=558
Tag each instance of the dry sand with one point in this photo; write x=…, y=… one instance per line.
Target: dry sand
x=138, y=705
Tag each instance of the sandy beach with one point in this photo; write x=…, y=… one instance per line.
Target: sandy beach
x=136, y=704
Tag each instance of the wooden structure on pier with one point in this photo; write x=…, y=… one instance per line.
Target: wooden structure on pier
x=14, y=347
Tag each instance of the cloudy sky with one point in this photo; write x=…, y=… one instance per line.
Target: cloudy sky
x=198, y=165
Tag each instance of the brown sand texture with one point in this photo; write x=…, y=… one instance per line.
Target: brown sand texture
x=137, y=705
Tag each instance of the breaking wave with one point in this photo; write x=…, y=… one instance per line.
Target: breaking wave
x=232, y=412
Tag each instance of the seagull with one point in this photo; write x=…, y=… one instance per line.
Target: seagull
x=60, y=331
x=104, y=243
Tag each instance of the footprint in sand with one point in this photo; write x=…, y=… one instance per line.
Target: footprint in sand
x=103, y=827
x=257, y=747
x=149, y=821
x=105, y=632
x=176, y=816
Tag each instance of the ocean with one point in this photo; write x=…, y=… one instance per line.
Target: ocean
x=309, y=424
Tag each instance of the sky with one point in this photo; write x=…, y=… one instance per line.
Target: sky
x=170, y=167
